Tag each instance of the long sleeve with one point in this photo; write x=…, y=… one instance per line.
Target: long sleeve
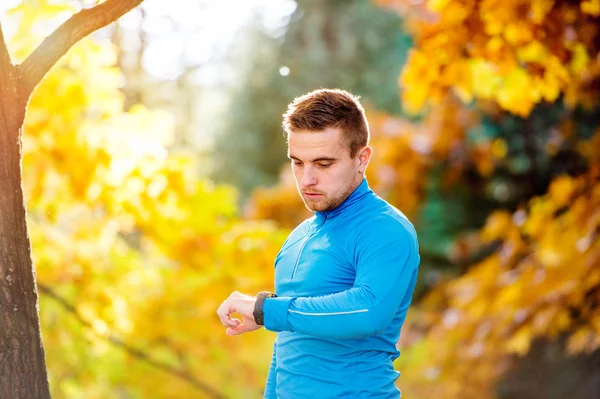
x=387, y=258
x=271, y=383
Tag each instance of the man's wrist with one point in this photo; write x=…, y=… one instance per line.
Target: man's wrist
x=259, y=317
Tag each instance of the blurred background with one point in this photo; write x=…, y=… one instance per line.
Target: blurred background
x=156, y=182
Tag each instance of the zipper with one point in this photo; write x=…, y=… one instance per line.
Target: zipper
x=302, y=248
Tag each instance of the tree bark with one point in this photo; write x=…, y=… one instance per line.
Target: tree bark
x=22, y=360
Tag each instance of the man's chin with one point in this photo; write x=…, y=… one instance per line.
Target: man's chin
x=315, y=207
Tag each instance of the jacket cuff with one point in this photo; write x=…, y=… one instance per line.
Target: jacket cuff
x=275, y=312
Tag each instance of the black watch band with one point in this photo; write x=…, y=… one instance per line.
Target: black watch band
x=258, y=306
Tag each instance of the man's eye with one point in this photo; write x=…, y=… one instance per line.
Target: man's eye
x=324, y=165
x=297, y=163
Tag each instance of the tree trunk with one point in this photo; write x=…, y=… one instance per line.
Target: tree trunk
x=22, y=359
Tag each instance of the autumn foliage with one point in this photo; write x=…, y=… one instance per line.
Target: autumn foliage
x=133, y=252
x=480, y=65
x=515, y=53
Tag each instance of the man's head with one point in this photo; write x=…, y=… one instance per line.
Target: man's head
x=328, y=138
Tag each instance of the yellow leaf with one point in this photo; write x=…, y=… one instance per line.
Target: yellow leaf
x=437, y=5
x=534, y=51
x=561, y=190
x=485, y=78
x=514, y=93
x=591, y=7
x=520, y=341
x=580, y=59
x=496, y=225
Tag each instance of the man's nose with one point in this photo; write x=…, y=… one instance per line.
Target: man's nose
x=308, y=177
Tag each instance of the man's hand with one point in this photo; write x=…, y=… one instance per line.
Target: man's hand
x=242, y=304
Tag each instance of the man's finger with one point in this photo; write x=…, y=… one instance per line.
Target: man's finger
x=224, y=313
x=237, y=330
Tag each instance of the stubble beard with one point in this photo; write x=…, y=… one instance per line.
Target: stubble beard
x=317, y=206
x=324, y=203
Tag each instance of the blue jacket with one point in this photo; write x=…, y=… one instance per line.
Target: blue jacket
x=344, y=280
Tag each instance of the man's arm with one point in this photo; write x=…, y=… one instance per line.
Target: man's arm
x=387, y=259
x=271, y=383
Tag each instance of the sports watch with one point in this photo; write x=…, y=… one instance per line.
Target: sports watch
x=259, y=316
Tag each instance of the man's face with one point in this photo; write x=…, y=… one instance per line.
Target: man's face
x=324, y=172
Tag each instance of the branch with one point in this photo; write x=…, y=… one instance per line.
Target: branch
x=62, y=39
x=144, y=356
x=5, y=61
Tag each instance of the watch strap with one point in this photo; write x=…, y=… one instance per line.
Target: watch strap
x=258, y=306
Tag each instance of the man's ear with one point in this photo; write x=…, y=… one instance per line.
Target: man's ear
x=364, y=156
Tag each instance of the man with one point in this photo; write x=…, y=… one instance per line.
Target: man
x=343, y=278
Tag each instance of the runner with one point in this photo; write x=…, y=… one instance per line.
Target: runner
x=344, y=278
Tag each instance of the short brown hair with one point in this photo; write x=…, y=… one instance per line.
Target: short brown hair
x=329, y=108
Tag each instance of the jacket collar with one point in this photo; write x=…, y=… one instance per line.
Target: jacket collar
x=362, y=189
